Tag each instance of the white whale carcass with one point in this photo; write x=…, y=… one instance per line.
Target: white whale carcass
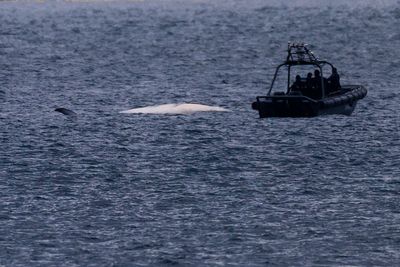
x=185, y=108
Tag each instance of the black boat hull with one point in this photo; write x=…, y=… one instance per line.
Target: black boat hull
x=282, y=105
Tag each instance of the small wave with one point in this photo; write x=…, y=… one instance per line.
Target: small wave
x=174, y=109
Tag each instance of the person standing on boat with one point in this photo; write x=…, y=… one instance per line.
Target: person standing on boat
x=309, y=80
x=334, y=81
x=309, y=84
x=317, y=84
x=297, y=85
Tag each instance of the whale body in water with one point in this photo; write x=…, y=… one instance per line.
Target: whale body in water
x=66, y=112
x=174, y=109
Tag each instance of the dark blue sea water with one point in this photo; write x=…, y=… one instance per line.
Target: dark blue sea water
x=199, y=189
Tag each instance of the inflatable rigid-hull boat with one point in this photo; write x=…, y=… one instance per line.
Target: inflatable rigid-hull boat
x=292, y=105
x=311, y=96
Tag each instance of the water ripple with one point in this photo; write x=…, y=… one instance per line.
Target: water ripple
x=208, y=188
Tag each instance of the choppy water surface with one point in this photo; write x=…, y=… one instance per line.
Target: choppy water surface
x=204, y=188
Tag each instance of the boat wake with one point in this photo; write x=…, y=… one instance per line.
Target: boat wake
x=175, y=109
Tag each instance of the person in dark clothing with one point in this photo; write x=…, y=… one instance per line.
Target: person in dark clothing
x=317, y=84
x=308, y=86
x=309, y=83
x=316, y=80
x=297, y=85
x=334, y=81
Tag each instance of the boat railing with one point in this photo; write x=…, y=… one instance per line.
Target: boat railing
x=287, y=97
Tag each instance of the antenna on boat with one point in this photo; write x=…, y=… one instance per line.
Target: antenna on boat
x=299, y=52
